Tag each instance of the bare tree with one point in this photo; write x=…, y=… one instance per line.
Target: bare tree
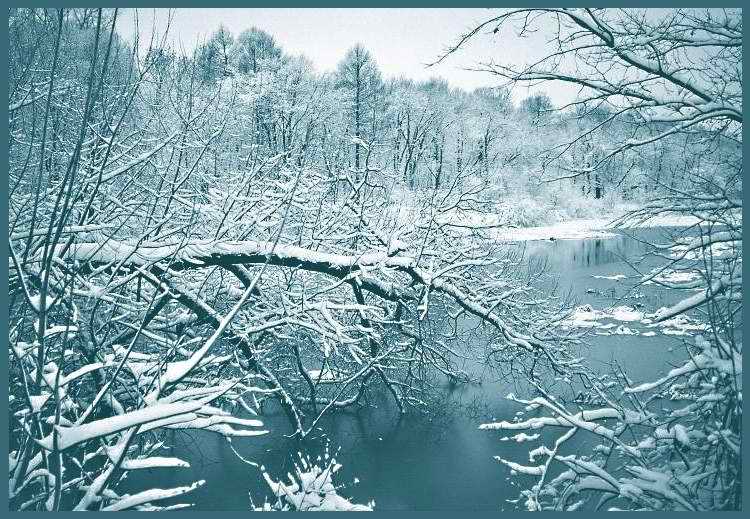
x=359, y=76
x=668, y=77
x=167, y=274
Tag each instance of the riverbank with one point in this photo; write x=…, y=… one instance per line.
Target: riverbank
x=584, y=229
x=599, y=220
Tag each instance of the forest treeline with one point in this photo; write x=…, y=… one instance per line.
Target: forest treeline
x=422, y=135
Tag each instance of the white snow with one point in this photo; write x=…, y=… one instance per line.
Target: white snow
x=523, y=437
x=38, y=401
x=678, y=325
x=620, y=330
x=70, y=436
x=613, y=277
x=359, y=142
x=523, y=469
x=311, y=489
x=674, y=276
x=572, y=230
x=326, y=374
x=585, y=316
x=626, y=313
x=703, y=361
x=585, y=229
x=153, y=462
x=147, y=496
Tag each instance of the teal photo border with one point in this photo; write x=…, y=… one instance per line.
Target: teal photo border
x=353, y=4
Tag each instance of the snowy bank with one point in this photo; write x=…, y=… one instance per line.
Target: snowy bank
x=586, y=229
x=572, y=230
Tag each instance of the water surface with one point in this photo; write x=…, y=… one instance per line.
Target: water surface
x=441, y=460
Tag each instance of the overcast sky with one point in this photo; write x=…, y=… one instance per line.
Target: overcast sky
x=401, y=40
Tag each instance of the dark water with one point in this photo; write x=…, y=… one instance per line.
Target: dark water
x=440, y=460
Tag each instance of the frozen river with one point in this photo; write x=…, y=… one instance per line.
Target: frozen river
x=440, y=460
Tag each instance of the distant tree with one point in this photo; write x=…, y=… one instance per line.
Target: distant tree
x=251, y=48
x=213, y=57
x=537, y=105
x=359, y=77
x=435, y=85
x=86, y=17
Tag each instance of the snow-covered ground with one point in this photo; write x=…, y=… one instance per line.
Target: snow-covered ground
x=496, y=224
x=573, y=230
x=585, y=229
x=502, y=225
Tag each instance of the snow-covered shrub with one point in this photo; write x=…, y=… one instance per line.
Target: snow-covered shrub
x=527, y=212
x=93, y=419
x=311, y=489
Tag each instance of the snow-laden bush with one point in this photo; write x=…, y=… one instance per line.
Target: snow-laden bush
x=527, y=212
x=311, y=489
x=567, y=201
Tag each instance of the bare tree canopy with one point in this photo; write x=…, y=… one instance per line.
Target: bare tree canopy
x=672, y=76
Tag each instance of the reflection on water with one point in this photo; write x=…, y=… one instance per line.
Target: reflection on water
x=439, y=460
x=564, y=254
